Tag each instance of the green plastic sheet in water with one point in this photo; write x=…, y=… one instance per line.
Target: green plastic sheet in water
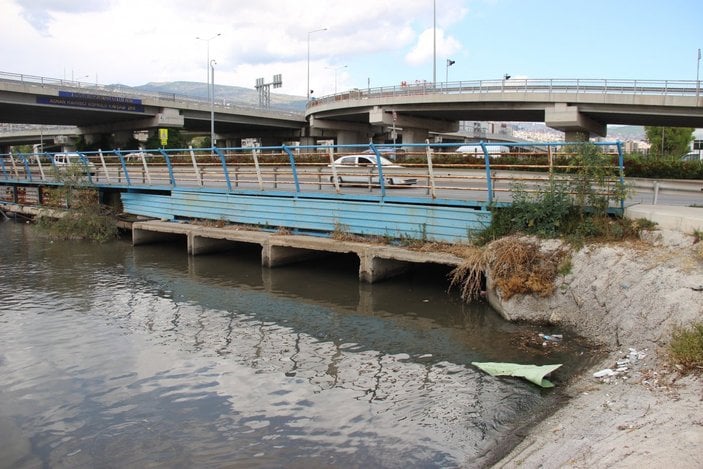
x=532, y=373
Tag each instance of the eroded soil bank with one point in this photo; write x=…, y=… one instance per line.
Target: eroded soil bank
x=627, y=298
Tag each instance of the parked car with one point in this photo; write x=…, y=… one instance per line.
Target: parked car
x=363, y=169
x=64, y=160
x=696, y=155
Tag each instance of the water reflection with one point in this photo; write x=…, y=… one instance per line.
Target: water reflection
x=113, y=356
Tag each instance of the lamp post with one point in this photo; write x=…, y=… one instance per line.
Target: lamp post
x=207, y=62
x=212, y=104
x=698, y=81
x=335, y=75
x=434, y=42
x=309, y=33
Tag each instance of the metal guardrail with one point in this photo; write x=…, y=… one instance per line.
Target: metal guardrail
x=476, y=178
x=690, y=88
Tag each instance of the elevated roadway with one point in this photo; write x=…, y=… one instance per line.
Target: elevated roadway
x=98, y=109
x=580, y=108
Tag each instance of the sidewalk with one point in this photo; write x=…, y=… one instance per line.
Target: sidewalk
x=684, y=219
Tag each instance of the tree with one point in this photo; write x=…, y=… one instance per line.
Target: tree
x=668, y=141
x=175, y=140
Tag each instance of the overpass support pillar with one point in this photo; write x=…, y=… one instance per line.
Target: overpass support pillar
x=411, y=135
x=575, y=125
x=348, y=137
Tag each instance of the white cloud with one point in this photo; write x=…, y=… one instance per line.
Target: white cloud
x=424, y=49
x=133, y=42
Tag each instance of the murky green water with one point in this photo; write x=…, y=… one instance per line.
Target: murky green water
x=114, y=356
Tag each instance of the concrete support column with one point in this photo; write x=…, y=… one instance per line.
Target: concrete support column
x=123, y=138
x=412, y=135
x=372, y=268
x=200, y=245
x=347, y=137
x=307, y=140
x=575, y=125
x=140, y=236
x=274, y=256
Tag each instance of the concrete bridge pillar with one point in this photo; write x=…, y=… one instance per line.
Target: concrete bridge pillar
x=348, y=137
x=575, y=125
x=414, y=135
x=373, y=268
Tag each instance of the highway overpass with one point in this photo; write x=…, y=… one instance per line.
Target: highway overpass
x=580, y=108
x=100, y=109
x=411, y=112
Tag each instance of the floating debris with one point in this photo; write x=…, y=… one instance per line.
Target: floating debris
x=533, y=373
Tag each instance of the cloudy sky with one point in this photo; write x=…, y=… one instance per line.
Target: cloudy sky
x=366, y=42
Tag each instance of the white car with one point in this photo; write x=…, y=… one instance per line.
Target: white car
x=65, y=160
x=363, y=169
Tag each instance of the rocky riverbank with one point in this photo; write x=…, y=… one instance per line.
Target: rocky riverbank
x=637, y=411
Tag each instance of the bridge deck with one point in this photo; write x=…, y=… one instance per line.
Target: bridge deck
x=304, y=189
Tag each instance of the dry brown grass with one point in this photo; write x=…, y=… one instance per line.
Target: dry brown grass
x=516, y=266
x=468, y=275
x=460, y=250
x=209, y=223
x=342, y=233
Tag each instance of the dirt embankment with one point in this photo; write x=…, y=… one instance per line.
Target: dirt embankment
x=641, y=413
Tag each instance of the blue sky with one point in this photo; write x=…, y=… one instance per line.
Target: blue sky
x=381, y=42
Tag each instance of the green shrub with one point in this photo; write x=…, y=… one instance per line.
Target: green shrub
x=575, y=208
x=686, y=347
x=84, y=217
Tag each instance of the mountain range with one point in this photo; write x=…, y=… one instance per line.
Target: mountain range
x=235, y=95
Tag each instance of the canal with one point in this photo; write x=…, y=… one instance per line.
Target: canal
x=121, y=356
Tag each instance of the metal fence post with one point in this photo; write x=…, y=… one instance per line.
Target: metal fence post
x=171, y=176
x=294, y=170
x=621, y=164
x=489, y=182
x=124, y=167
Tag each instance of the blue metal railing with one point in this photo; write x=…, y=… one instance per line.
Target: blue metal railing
x=412, y=172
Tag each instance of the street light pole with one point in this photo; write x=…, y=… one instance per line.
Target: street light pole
x=698, y=81
x=335, y=75
x=212, y=104
x=207, y=62
x=434, y=42
x=309, y=33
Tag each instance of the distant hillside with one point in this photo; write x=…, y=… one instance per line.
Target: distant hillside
x=626, y=132
x=233, y=94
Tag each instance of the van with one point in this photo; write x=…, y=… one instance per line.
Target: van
x=477, y=150
x=65, y=160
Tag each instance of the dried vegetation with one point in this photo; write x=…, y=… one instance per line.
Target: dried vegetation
x=516, y=266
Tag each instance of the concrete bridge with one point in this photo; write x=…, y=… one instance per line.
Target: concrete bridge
x=408, y=113
x=106, y=109
x=580, y=108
